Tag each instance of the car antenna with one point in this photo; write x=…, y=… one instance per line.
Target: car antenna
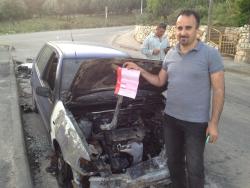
x=71, y=35
x=72, y=39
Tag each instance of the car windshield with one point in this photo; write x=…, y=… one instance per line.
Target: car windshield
x=88, y=76
x=69, y=70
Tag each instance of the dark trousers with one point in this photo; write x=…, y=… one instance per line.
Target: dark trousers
x=185, y=142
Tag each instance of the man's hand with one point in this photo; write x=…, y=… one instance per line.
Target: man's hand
x=166, y=50
x=154, y=79
x=156, y=51
x=131, y=65
x=212, y=131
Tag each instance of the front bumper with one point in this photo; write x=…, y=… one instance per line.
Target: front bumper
x=147, y=173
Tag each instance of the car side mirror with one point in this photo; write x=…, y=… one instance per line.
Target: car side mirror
x=43, y=91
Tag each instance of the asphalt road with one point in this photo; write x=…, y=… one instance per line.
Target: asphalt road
x=227, y=162
x=27, y=45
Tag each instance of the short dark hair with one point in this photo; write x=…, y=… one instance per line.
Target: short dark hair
x=188, y=12
x=162, y=25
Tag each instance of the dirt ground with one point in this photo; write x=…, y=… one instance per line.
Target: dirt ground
x=36, y=137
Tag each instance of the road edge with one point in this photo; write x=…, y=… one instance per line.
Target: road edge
x=20, y=160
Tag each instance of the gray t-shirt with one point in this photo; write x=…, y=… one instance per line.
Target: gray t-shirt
x=189, y=86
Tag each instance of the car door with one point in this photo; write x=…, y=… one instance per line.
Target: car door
x=44, y=75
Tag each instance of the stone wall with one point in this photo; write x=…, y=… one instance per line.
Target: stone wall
x=142, y=31
x=243, y=44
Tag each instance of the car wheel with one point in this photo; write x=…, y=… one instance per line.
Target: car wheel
x=64, y=173
x=34, y=106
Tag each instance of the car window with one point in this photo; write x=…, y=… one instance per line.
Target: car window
x=43, y=58
x=49, y=75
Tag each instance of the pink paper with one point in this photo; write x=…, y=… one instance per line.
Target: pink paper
x=127, y=82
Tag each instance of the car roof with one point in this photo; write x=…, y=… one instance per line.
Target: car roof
x=73, y=49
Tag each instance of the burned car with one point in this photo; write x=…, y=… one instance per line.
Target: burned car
x=101, y=139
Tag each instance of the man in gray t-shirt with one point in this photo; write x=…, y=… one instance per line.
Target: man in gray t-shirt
x=188, y=94
x=192, y=70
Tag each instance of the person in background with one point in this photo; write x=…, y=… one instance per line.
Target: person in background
x=156, y=45
x=192, y=70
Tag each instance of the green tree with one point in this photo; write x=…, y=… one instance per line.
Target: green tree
x=244, y=12
x=114, y=6
x=165, y=8
x=97, y=6
x=13, y=10
x=50, y=7
x=121, y=6
x=83, y=7
x=34, y=6
x=160, y=8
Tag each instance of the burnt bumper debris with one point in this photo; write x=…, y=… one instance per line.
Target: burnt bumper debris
x=148, y=173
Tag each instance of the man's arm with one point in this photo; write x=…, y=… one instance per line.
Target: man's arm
x=156, y=80
x=166, y=44
x=218, y=87
x=145, y=48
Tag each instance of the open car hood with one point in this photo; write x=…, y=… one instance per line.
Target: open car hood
x=99, y=75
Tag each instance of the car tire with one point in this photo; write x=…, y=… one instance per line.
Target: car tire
x=64, y=173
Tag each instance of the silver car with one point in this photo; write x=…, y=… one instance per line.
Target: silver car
x=100, y=139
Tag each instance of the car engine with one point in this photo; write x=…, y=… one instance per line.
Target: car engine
x=137, y=137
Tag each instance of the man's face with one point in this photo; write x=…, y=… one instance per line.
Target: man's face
x=159, y=32
x=186, y=30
